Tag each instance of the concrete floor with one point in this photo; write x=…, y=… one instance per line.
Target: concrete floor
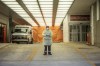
x=64, y=54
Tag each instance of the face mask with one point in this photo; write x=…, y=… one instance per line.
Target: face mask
x=47, y=28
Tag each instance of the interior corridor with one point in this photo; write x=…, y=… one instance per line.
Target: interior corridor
x=64, y=54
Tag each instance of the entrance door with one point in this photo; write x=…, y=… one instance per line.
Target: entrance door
x=2, y=33
x=78, y=32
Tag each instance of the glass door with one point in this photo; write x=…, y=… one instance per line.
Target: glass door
x=78, y=32
x=85, y=29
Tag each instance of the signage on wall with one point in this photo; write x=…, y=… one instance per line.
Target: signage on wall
x=79, y=17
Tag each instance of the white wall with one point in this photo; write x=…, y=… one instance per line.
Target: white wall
x=95, y=24
x=66, y=29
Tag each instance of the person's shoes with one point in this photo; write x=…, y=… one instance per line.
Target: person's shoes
x=45, y=53
x=49, y=53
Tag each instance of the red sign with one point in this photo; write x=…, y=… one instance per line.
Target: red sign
x=80, y=18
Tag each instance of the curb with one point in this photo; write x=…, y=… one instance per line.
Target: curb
x=4, y=46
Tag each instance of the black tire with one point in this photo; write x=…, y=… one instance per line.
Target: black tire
x=32, y=41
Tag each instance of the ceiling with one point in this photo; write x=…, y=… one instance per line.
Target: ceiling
x=81, y=7
x=4, y=10
x=46, y=12
x=40, y=12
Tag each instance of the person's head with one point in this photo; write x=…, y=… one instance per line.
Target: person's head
x=47, y=27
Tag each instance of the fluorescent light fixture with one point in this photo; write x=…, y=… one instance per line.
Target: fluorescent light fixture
x=16, y=8
x=40, y=20
x=30, y=21
x=37, y=10
x=57, y=24
x=42, y=24
x=58, y=16
x=13, y=3
x=47, y=10
x=61, y=14
x=62, y=10
x=65, y=3
x=47, y=6
x=29, y=6
x=64, y=6
x=29, y=0
x=58, y=21
x=48, y=20
x=49, y=24
x=47, y=15
x=37, y=15
x=45, y=0
x=24, y=15
x=33, y=8
x=21, y=12
x=8, y=0
x=66, y=0
x=46, y=3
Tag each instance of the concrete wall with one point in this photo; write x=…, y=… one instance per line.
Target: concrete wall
x=66, y=29
x=5, y=20
x=95, y=24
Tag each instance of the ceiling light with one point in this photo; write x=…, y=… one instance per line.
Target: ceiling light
x=66, y=0
x=37, y=15
x=29, y=6
x=65, y=3
x=46, y=3
x=8, y=0
x=30, y=21
x=29, y=0
x=47, y=6
x=42, y=24
x=58, y=21
x=16, y=6
x=40, y=20
x=21, y=12
x=45, y=0
x=49, y=24
x=48, y=20
x=32, y=8
x=62, y=6
x=14, y=3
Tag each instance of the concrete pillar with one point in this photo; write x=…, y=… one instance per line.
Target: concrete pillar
x=10, y=27
x=92, y=25
x=66, y=30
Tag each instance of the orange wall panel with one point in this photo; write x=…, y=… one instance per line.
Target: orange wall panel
x=57, y=34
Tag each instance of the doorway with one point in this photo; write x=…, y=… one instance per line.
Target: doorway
x=78, y=32
x=2, y=33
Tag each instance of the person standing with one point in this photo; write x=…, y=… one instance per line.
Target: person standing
x=47, y=40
